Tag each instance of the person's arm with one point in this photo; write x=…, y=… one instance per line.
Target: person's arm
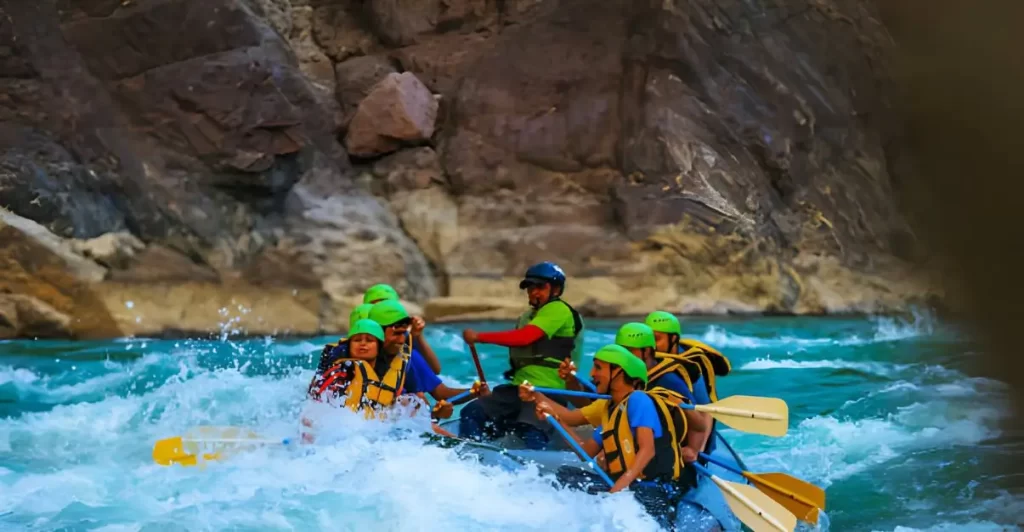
x=442, y=392
x=644, y=455
x=698, y=430
x=513, y=338
x=573, y=418
x=565, y=370
x=420, y=340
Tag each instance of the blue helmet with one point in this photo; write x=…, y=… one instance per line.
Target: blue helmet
x=544, y=272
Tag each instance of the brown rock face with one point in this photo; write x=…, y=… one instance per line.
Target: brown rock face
x=695, y=155
x=399, y=108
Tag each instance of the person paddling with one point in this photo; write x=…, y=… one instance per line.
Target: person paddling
x=671, y=375
x=372, y=378
x=384, y=292
x=547, y=333
x=709, y=362
x=640, y=434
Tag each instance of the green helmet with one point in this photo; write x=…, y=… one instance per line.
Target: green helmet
x=663, y=322
x=620, y=356
x=388, y=313
x=636, y=335
x=380, y=292
x=365, y=326
x=359, y=313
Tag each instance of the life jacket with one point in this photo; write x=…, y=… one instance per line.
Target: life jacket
x=620, y=449
x=712, y=362
x=359, y=383
x=546, y=352
x=689, y=370
x=329, y=354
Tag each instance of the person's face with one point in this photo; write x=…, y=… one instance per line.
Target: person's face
x=602, y=374
x=661, y=341
x=363, y=347
x=538, y=294
x=394, y=336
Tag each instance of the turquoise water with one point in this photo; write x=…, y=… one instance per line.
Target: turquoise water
x=884, y=414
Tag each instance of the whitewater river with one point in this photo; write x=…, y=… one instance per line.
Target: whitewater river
x=884, y=414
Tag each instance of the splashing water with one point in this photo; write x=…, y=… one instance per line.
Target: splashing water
x=883, y=414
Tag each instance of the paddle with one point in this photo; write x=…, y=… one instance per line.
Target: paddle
x=185, y=450
x=585, y=383
x=577, y=449
x=802, y=498
x=476, y=361
x=753, y=508
x=758, y=415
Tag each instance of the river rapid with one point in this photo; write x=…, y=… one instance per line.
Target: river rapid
x=884, y=413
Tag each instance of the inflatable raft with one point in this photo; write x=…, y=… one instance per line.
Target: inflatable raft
x=702, y=508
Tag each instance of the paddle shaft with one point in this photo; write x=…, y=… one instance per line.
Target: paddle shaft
x=579, y=450
x=460, y=397
x=571, y=393
x=585, y=383
x=285, y=441
x=732, y=492
x=476, y=361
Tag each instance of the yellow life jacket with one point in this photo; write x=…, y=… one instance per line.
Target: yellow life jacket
x=712, y=362
x=365, y=390
x=620, y=449
x=689, y=370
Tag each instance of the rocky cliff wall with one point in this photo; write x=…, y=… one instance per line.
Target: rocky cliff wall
x=173, y=165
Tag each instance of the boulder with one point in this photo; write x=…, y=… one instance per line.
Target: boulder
x=355, y=77
x=399, y=109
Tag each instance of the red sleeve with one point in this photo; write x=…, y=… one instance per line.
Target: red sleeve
x=514, y=338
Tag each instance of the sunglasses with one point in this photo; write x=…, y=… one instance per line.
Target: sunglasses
x=400, y=324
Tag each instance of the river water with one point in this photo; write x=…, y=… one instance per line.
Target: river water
x=884, y=414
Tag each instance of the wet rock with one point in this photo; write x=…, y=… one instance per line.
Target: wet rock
x=399, y=109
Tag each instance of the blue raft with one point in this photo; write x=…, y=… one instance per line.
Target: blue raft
x=702, y=508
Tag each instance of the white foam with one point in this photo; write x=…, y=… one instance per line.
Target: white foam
x=17, y=376
x=877, y=368
x=97, y=454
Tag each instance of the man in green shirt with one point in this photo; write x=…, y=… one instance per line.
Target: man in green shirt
x=550, y=332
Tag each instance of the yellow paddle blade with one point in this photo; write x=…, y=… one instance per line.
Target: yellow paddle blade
x=172, y=451
x=759, y=415
x=800, y=497
x=755, y=509
x=206, y=442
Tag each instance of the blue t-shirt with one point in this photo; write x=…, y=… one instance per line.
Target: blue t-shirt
x=418, y=375
x=675, y=383
x=700, y=392
x=641, y=413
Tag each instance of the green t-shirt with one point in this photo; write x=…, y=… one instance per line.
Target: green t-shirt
x=555, y=319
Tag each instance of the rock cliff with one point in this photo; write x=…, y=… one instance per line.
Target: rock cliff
x=182, y=165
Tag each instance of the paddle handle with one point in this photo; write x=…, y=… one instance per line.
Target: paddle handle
x=572, y=393
x=585, y=383
x=721, y=463
x=476, y=361
x=579, y=450
x=734, y=493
